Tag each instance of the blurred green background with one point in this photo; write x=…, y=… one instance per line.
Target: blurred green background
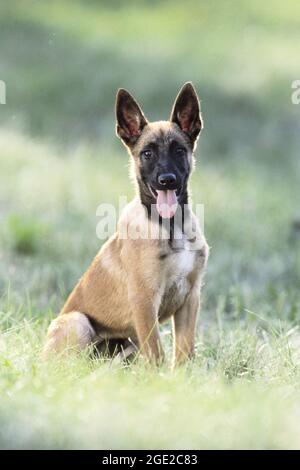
x=62, y=62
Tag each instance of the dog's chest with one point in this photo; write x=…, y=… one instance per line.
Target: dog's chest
x=176, y=285
x=179, y=265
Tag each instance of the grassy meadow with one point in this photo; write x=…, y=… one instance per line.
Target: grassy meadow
x=62, y=62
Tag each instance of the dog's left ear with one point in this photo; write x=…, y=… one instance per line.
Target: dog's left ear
x=186, y=112
x=130, y=118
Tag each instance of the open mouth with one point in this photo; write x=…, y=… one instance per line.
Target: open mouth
x=166, y=201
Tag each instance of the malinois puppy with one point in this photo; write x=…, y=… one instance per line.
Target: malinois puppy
x=135, y=282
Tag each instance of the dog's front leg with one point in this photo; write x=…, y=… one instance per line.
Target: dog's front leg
x=146, y=326
x=184, y=326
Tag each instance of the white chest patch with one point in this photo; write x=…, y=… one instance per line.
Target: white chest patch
x=179, y=265
x=176, y=286
x=184, y=261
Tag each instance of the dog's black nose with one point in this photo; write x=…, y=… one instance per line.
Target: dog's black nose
x=166, y=178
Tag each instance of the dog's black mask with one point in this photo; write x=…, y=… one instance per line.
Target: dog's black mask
x=164, y=166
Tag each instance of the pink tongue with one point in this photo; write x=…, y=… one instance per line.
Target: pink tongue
x=166, y=203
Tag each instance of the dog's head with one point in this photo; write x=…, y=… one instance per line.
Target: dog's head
x=163, y=150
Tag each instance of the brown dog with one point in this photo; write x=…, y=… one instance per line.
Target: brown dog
x=135, y=282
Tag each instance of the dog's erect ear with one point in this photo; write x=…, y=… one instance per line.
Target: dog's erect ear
x=130, y=118
x=186, y=112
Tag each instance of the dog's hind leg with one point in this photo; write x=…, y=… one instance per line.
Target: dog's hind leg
x=69, y=332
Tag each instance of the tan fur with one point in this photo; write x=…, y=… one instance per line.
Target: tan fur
x=134, y=284
x=128, y=290
x=73, y=333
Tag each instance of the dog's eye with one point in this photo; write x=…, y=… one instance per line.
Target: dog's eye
x=147, y=154
x=180, y=151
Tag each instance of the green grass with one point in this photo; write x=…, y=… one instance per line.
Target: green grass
x=62, y=62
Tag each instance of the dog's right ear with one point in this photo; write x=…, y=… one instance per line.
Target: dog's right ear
x=130, y=118
x=186, y=112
